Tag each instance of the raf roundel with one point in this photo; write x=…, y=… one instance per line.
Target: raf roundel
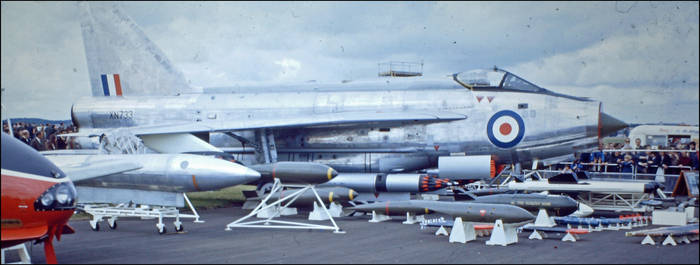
x=505, y=129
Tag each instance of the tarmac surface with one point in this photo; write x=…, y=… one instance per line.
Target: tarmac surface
x=136, y=241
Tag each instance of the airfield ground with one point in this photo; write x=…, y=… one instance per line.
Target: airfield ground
x=136, y=241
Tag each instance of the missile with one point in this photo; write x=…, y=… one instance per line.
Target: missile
x=585, y=186
x=559, y=205
x=162, y=172
x=295, y=172
x=682, y=230
x=340, y=195
x=468, y=211
x=375, y=183
x=393, y=208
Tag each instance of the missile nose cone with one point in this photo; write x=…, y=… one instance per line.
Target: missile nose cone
x=521, y=215
x=583, y=210
x=353, y=194
x=333, y=173
x=208, y=173
x=250, y=175
x=609, y=124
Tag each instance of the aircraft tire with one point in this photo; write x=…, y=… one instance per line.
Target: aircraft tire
x=264, y=188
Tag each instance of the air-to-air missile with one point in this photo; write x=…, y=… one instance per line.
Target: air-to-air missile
x=468, y=211
x=375, y=183
x=680, y=230
x=329, y=195
x=566, y=182
x=160, y=172
x=558, y=205
x=295, y=172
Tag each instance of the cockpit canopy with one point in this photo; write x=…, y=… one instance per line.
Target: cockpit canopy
x=495, y=79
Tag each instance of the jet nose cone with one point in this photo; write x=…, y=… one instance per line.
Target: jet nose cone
x=608, y=124
x=583, y=210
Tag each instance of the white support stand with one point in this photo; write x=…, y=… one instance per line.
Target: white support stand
x=195, y=215
x=615, y=228
x=599, y=228
x=317, y=214
x=24, y=257
x=268, y=212
x=441, y=231
x=648, y=240
x=684, y=239
x=543, y=219
x=335, y=209
x=277, y=186
x=412, y=218
x=627, y=226
x=462, y=232
x=669, y=241
x=537, y=235
x=569, y=237
x=378, y=217
x=503, y=234
x=287, y=211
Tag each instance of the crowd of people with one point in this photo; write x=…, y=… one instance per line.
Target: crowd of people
x=624, y=158
x=43, y=137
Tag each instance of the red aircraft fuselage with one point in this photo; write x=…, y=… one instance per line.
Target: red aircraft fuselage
x=37, y=197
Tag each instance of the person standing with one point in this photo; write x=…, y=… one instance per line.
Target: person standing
x=597, y=158
x=627, y=164
x=60, y=140
x=643, y=162
x=24, y=137
x=693, y=156
x=39, y=143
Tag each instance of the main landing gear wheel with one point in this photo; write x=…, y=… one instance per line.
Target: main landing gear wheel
x=264, y=188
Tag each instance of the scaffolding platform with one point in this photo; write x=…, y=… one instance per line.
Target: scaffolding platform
x=400, y=69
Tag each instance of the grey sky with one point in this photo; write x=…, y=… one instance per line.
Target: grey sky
x=639, y=58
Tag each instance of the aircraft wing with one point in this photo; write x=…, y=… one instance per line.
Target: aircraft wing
x=327, y=120
x=83, y=171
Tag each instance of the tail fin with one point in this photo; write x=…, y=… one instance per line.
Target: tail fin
x=121, y=59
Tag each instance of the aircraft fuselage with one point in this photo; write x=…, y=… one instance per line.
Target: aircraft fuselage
x=552, y=125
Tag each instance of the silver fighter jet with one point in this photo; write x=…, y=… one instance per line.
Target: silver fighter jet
x=465, y=124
